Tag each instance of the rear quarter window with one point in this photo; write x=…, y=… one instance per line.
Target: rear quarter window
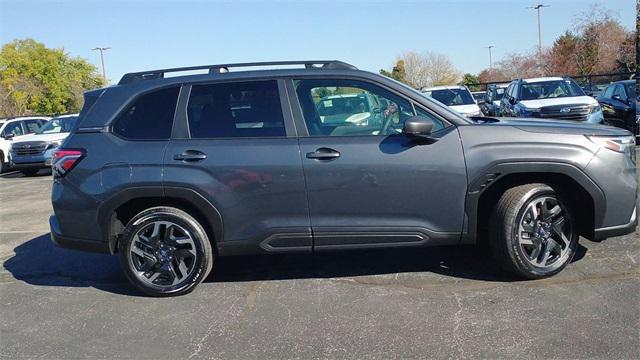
x=149, y=117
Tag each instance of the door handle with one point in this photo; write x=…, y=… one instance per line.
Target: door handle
x=190, y=155
x=323, y=154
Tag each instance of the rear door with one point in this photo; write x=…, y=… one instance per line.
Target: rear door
x=234, y=145
x=369, y=185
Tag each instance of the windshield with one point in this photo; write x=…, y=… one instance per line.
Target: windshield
x=550, y=89
x=58, y=125
x=342, y=105
x=451, y=97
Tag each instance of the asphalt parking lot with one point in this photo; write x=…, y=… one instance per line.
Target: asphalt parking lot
x=425, y=303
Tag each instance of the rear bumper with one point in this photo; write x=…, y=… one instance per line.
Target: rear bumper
x=72, y=243
x=619, y=230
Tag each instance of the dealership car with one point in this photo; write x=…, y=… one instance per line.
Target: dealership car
x=619, y=105
x=550, y=98
x=12, y=129
x=479, y=96
x=162, y=171
x=491, y=107
x=35, y=151
x=594, y=90
x=459, y=98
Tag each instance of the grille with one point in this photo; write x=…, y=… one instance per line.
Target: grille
x=575, y=112
x=29, y=148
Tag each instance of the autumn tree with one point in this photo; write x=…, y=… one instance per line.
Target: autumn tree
x=561, y=58
x=36, y=79
x=423, y=70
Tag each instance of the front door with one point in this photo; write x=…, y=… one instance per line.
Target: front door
x=369, y=185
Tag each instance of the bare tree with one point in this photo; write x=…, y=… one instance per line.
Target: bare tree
x=428, y=69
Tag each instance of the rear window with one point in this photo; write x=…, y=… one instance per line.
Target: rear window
x=235, y=110
x=150, y=117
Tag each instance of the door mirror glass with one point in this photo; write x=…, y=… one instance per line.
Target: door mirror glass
x=418, y=126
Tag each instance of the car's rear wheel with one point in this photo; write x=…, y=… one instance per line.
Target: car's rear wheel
x=165, y=252
x=532, y=232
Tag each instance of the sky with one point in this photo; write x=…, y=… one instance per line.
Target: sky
x=146, y=35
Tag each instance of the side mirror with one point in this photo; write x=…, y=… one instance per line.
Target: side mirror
x=512, y=100
x=9, y=136
x=418, y=126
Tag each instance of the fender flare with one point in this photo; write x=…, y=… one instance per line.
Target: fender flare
x=496, y=172
x=106, y=210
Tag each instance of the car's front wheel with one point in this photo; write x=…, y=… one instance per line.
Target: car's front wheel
x=165, y=252
x=532, y=232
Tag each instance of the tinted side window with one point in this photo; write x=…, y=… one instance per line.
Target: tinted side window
x=150, y=117
x=232, y=110
x=13, y=128
x=343, y=107
x=619, y=90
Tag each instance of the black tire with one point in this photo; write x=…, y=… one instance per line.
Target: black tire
x=505, y=239
x=29, y=172
x=201, y=265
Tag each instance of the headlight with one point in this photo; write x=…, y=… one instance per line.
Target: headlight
x=54, y=144
x=594, y=108
x=525, y=111
x=621, y=144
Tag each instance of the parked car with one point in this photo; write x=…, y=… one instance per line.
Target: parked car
x=163, y=172
x=619, y=104
x=459, y=98
x=491, y=107
x=479, y=96
x=594, y=90
x=35, y=151
x=13, y=129
x=550, y=98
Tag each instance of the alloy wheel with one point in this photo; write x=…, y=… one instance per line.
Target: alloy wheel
x=162, y=254
x=544, y=233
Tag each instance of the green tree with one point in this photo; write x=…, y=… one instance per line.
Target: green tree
x=471, y=81
x=397, y=73
x=37, y=80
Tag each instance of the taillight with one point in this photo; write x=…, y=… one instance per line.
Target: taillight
x=66, y=159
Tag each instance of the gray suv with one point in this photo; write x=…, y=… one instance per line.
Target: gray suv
x=170, y=173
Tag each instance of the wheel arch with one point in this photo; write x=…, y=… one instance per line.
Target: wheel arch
x=114, y=214
x=584, y=195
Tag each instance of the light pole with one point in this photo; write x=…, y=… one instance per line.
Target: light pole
x=490, y=61
x=537, y=8
x=102, y=50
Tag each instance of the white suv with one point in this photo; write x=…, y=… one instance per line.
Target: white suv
x=458, y=98
x=11, y=129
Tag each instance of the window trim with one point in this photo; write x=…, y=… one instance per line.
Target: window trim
x=299, y=115
x=182, y=131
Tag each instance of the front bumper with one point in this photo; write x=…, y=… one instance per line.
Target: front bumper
x=72, y=243
x=39, y=161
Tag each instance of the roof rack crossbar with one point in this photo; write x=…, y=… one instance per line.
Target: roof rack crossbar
x=220, y=68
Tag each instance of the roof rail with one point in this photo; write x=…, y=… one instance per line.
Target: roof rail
x=222, y=68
